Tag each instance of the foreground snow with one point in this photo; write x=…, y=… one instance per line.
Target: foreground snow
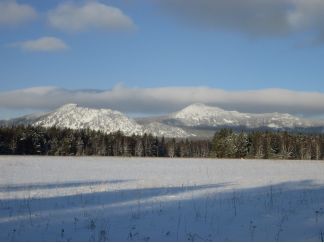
x=136, y=199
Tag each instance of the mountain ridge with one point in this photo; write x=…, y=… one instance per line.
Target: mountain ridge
x=105, y=120
x=191, y=121
x=203, y=115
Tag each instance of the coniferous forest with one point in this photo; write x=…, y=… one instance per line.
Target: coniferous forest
x=226, y=143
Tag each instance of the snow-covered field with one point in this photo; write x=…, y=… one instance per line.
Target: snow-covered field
x=146, y=199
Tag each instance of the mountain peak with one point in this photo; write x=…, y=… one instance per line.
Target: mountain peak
x=197, y=105
x=68, y=106
x=199, y=108
x=208, y=116
x=77, y=117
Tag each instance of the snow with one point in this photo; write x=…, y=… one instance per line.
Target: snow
x=149, y=199
x=199, y=114
x=273, y=125
x=160, y=129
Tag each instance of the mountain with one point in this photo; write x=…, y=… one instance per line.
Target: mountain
x=203, y=115
x=160, y=129
x=23, y=120
x=196, y=120
x=200, y=115
x=76, y=117
x=105, y=120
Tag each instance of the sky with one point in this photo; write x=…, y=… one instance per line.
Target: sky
x=156, y=56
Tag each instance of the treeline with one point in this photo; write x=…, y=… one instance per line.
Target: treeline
x=225, y=144
x=30, y=140
x=267, y=145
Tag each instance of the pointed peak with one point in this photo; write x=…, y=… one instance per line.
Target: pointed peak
x=197, y=105
x=201, y=106
x=68, y=106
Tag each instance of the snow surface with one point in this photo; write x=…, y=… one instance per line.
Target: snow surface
x=146, y=199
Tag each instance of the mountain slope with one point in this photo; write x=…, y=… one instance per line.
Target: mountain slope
x=200, y=115
x=75, y=117
x=105, y=120
x=160, y=129
x=23, y=120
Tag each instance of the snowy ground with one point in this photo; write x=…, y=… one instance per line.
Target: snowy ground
x=145, y=199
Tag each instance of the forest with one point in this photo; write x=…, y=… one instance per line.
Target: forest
x=29, y=140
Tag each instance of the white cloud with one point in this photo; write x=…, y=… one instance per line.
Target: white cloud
x=12, y=13
x=43, y=44
x=260, y=18
x=167, y=99
x=70, y=16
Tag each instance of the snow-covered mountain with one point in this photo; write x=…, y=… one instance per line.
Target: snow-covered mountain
x=196, y=120
x=200, y=115
x=105, y=120
x=76, y=117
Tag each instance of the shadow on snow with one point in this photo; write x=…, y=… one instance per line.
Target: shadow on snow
x=290, y=211
x=37, y=186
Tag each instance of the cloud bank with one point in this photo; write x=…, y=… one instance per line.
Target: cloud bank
x=73, y=17
x=265, y=18
x=12, y=13
x=167, y=99
x=43, y=44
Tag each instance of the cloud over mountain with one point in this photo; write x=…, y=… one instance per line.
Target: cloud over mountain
x=167, y=99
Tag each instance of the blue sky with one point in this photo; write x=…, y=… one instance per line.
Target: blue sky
x=167, y=45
